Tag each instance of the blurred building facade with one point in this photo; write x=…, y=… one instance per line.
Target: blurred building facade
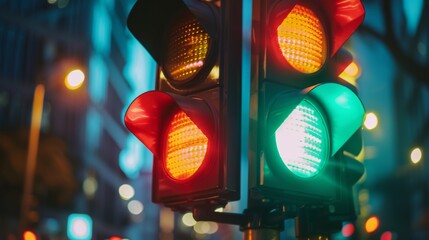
x=40, y=42
x=392, y=49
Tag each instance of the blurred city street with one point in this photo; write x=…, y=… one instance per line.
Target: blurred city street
x=70, y=168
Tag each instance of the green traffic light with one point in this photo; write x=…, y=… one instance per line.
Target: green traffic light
x=310, y=126
x=302, y=140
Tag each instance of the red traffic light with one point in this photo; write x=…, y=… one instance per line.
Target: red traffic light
x=191, y=123
x=149, y=115
x=178, y=130
x=181, y=132
x=185, y=147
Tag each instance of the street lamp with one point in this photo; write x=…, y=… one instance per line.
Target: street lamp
x=76, y=78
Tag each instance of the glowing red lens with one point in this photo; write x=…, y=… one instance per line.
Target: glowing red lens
x=185, y=148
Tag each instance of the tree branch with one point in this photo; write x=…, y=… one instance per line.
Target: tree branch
x=416, y=69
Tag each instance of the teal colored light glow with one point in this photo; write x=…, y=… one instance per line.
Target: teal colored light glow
x=79, y=227
x=132, y=159
x=101, y=26
x=302, y=140
x=140, y=72
x=93, y=128
x=98, y=77
x=413, y=12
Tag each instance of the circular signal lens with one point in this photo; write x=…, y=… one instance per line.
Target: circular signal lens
x=186, y=147
x=302, y=40
x=302, y=140
x=187, y=49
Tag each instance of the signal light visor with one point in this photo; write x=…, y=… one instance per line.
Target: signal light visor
x=302, y=140
x=176, y=129
x=185, y=147
x=306, y=128
x=187, y=47
x=302, y=40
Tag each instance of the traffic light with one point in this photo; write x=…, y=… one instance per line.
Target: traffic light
x=305, y=121
x=191, y=121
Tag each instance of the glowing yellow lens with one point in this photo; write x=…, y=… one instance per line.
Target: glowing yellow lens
x=302, y=40
x=186, y=50
x=186, y=147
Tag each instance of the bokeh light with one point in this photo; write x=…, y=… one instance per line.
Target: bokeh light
x=79, y=227
x=90, y=186
x=135, y=207
x=126, y=191
x=348, y=230
x=371, y=121
x=74, y=79
x=29, y=235
x=386, y=236
x=166, y=221
x=351, y=73
x=188, y=220
x=416, y=155
x=352, y=69
x=371, y=225
x=115, y=238
x=206, y=227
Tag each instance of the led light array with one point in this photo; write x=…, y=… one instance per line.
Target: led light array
x=302, y=140
x=187, y=49
x=186, y=147
x=302, y=40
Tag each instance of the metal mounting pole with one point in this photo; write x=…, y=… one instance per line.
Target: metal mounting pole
x=316, y=223
x=256, y=224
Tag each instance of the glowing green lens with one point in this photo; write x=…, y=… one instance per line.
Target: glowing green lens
x=302, y=140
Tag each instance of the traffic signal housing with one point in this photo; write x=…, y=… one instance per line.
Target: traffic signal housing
x=303, y=117
x=191, y=121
